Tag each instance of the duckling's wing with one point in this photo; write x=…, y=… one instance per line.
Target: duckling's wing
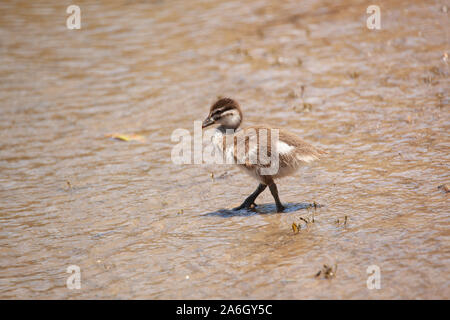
x=300, y=149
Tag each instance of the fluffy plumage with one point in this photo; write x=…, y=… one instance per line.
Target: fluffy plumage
x=291, y=150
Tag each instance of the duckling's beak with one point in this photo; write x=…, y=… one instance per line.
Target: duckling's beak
x=208, y=121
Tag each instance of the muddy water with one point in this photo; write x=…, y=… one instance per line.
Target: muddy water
x=139, y=226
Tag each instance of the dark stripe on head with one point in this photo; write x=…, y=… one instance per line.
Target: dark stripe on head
x=223, y=105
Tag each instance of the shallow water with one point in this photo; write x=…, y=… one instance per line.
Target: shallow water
x=69, y=195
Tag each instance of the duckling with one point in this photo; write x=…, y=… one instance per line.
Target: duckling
x=288, y=150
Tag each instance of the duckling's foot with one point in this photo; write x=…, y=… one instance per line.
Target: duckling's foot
x=246, y=205
x=250, y=201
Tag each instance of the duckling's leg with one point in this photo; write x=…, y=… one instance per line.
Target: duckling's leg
x=251, y=199
x=274, y=191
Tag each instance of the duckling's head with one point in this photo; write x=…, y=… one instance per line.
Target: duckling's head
x=225, y=112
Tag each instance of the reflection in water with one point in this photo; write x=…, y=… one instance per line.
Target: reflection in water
x=136, y=224
x=260, y=209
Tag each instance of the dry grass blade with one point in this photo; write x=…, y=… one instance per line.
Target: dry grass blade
x=126, y=137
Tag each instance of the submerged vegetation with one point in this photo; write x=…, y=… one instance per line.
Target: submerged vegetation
x=327, y=272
